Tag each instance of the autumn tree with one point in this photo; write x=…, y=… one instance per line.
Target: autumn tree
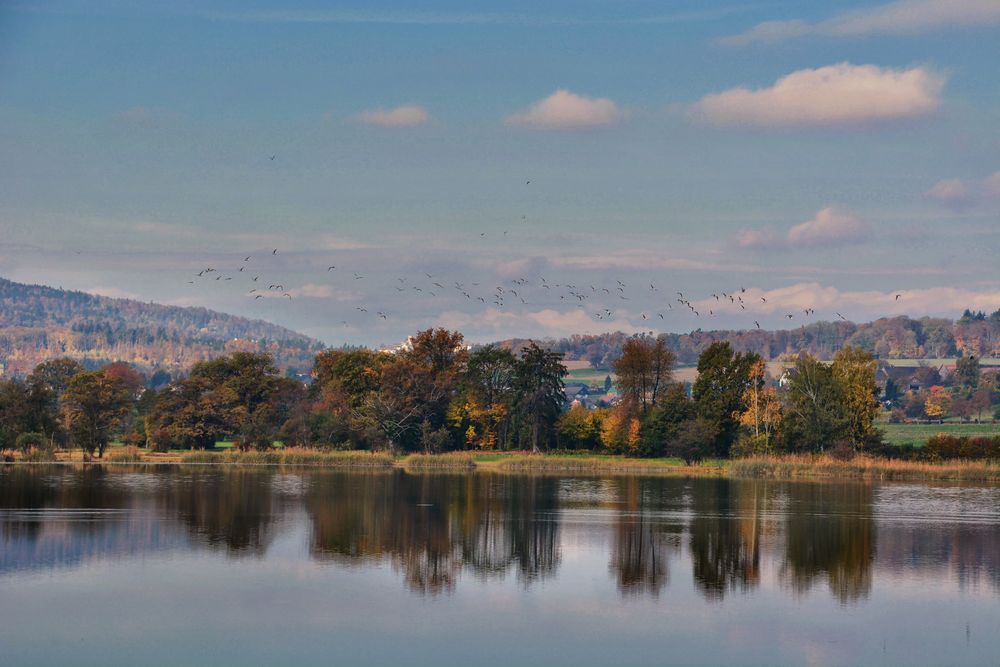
x=854, y=370
x=486, y=397
x=762, y=413
x=93, y=405
x=937, y=405
x=643, y=369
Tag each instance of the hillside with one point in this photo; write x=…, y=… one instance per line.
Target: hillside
x=889, y=338
x=38, y=323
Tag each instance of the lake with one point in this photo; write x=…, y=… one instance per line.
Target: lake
x=184, y=565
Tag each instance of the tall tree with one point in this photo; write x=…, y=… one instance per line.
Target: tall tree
x=643, y=369
x=94, y=404
x=967, y=373
x=723, y=377
x=815, y=414
x=540, y=392
x=763, y=409
x=854, y=370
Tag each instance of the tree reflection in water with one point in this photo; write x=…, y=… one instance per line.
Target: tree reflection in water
x=830, y=533
x=434, y=526
x=725, y=535
x=642, y=544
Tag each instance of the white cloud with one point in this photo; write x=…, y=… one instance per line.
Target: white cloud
x=408, y=115
x=841, y=94
x=637, y=259
x=957, y=194
x=493, y=324
x=564, y=110
x=828, y=227
x=904, y=17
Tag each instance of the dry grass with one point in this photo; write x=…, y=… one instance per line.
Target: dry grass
x=294, y=456
x=863, y=467
x=603, y=464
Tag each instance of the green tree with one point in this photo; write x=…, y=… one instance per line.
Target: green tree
x=539, y=392
x=694, y=440
x=815, y=412
x=854, y=370
x=662, y=423
x=723, y=378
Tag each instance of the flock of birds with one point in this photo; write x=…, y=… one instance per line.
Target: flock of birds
x=601, y=302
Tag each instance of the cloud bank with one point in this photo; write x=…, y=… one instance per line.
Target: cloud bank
x=408, y=115
x=836, y=95
x=565, y=110
x=828, y=227
x=904, y=17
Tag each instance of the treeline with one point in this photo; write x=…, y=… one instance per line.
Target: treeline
x=974, y=334
x=436, y=394
x=433, y=396
x=733, y=408
x=39, y=323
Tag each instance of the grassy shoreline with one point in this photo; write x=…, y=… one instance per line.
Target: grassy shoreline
x=787, y=466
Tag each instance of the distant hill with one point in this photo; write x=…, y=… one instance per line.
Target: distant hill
x=889, y=338
x=39, y=323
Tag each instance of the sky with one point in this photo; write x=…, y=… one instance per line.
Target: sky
x=817, y=156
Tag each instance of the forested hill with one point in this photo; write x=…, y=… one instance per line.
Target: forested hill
x=38, y=323
x=890, y=338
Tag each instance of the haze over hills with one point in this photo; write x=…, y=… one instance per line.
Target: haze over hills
x=975, y=333
x=38, y=323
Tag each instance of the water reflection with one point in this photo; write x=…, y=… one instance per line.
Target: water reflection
x=433, y=527
x=725, y=535
x=643, y=542
x=830, y=536
x=731, y=537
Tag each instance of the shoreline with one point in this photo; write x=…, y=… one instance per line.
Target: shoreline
x=787, y=467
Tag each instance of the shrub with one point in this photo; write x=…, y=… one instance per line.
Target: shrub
x=27, y=441
x=753, y=445
x=943, y=447
x=897, y=416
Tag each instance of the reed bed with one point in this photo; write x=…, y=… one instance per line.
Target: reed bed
x=791, y=466
x=449, y=461
x=127, y=454
x=294, y=456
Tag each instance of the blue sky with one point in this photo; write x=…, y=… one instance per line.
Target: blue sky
x=821, y=156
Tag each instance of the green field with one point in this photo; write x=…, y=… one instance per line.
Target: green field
x=587, y=376
x=917, y=434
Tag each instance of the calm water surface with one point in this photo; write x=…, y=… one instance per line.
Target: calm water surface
x=204, y=566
